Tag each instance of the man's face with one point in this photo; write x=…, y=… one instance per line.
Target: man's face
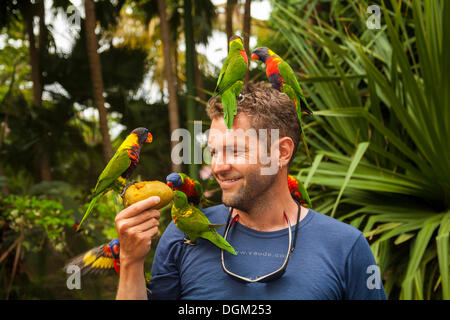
x=236, y=162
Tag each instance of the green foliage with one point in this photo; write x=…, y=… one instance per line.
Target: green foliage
x=36, y=219
x=380, y=131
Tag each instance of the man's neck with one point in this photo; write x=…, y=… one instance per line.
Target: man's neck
x=266, y=214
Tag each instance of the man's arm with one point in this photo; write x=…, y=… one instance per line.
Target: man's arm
x=363, y=278
x=136, y=226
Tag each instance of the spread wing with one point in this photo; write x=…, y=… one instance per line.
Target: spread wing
x=95, y=261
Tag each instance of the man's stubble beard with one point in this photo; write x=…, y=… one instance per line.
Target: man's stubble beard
x=250, y=194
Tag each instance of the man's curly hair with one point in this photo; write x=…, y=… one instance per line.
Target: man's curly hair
x=266, y=108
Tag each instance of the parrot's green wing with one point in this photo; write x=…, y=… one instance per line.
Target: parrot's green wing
x=235, y=71
x=118, y=164
x=295, y=93
x=113, y=170
x=205, y=229
x=222, y=72
x=289, y=77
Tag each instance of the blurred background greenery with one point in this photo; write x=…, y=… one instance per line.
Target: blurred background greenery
x=77, y=76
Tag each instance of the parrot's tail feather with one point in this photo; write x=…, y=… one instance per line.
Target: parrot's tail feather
x=229, y=107
x=89, y=209
x=215, y=226
x=219, y=241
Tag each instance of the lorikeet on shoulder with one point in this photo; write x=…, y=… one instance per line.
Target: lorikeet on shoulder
x=120, y=167
x=230, y=81
x=282, y=78
x=193, y=222
x=99, y=260
x=191, y=187
x=298, y=191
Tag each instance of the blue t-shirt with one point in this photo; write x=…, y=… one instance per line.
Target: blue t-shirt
x=331, y=260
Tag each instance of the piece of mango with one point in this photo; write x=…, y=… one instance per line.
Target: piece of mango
x=145, y=189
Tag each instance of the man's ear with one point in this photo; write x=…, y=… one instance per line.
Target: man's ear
x=286, y=149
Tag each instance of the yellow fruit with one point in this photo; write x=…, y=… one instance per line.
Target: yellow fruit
x=146, y=189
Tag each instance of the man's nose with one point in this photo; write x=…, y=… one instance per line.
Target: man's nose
x=219, y=167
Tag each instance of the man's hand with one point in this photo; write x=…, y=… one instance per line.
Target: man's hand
x=136, y=226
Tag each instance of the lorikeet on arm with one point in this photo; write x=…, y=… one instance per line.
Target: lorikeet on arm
x=193, y=222
x=230, y=82
x=120, y=167
x=282, y=78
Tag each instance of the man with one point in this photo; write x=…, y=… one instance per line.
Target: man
x=284, y=250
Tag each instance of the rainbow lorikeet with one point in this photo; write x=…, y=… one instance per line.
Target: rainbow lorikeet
x=230, y=82
x=298, y=191
x=120, y=167
x=100, y=259
x=193, y=222
x=282, y=78
x=191, y=187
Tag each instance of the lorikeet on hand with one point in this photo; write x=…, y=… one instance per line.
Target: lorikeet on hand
x=230, y=82
x=193, y=222
x=191, y=187
x=282, y=78
x=120, y=167
x=297, y=190
x=100, y=259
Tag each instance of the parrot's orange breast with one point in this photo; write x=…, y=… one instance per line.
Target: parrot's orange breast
x=244, y=55
x=272, y=66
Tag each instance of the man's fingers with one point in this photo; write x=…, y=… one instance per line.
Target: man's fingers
x=146, y=215
x=138, y=207
x=145, y=226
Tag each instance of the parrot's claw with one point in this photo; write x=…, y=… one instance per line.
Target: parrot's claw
x=124, y=189
x=189, y=242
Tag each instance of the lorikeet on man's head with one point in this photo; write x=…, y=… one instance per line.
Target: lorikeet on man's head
x=100, y=259
x=282, y=78
x=230, y=82
x=120, y=167
x=191, y=187
x=193, y=222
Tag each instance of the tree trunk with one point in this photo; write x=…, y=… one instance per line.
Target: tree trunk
x=246, y=32
x=229, y=18
x=96, y=78
x=34, y=63
x=174, y=120
x=198, y=78
x=41, y=157
x=190, y=81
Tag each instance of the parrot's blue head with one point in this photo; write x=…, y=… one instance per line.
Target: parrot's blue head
x=174, y=180
x=262, y=53
x=114, y=245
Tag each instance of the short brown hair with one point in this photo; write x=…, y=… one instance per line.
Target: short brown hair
x=266, y=108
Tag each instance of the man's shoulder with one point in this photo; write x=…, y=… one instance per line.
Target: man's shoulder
x=333, y=228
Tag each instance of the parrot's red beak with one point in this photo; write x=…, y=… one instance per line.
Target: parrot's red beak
x=149, y=138
x=255, y=56
x=169, y=184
